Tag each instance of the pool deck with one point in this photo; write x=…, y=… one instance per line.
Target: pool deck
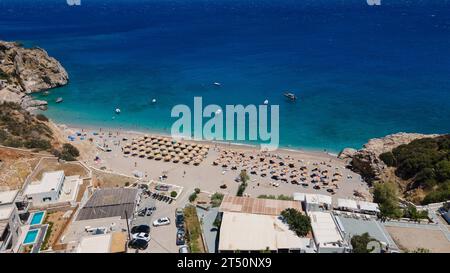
x=40, y=240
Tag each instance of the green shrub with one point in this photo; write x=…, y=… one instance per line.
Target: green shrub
x=173, y=194
x=197, y=190
x=41, y=117
x=388, y=158
x=385, y=194
x=41, y=144
x=192, y=197
x=71, y=150
x=216, y=199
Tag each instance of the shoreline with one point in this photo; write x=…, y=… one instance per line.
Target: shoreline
x=221, y=143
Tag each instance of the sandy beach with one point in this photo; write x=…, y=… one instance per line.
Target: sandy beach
x=207, y=176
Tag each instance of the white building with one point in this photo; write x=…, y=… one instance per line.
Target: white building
x=46, y=190
x=314, y=202
x=53, y=187
x=327, y=233
x=9, y=221
x=347, y=205
x=247, y=232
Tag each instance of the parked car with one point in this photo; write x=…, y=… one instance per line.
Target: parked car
x=149, y=212
x=140, y=229
x=180, y=237
x=138, y=244
x=142, y=236
x=161, y=222
x=142, y=212
x=183, y=249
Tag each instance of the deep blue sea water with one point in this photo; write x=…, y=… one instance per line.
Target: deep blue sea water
x=360, y=71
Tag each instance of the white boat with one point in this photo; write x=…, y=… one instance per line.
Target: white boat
x=217, y=84
x=59, y=100
x=117, y=110
x=290, y=96
x=153, y=100
x=266, y=102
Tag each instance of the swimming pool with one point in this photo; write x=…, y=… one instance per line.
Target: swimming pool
x=37, y=218
x=31, y=236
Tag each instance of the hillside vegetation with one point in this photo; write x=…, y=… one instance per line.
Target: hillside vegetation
x=426, y=163
x=20, y=129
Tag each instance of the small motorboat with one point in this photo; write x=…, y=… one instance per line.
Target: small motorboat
x=59, y=100
x=117, y=111
x=266, y=102
x=217, y=84
x=46, y=93
x=290, y=96
x=153, y=100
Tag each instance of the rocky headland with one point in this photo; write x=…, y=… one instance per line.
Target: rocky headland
x=28, y=70
x=367, y=162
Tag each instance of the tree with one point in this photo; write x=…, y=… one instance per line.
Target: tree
x=192, y=197
x=70, y=149
x=173, y=194
x=360, y=242
x=443, y=170
x=298, y=222
x=385, y=194
x=244, y=176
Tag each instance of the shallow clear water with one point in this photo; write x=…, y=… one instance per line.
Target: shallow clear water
x=359, y=71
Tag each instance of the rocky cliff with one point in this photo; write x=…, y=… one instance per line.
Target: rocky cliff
x=24, y=71
x=367, y=162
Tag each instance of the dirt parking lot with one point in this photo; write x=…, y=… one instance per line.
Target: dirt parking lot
x=414, y=238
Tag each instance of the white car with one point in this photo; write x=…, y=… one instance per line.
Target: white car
x=141, y=236
x=161, y=222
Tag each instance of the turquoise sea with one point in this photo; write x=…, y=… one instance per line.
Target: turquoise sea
x=359, y=71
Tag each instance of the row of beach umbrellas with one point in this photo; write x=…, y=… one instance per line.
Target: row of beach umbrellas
x=166, y=149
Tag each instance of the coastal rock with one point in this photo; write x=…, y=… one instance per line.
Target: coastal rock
x=367, y=162
x=347, y=153
x=27, y=70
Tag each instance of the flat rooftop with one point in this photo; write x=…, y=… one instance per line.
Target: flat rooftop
x=5, y=211
x=7, y=197
x=352, y=227
x=324, y=228
x=257, y=206
x=50, y=181
x=255, y=232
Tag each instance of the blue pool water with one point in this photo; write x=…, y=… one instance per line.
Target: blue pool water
x=31, y=236
x=359, y=71
x=37, y=218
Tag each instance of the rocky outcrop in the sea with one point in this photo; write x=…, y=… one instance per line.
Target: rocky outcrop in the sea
x=367, y=162
x=27, y=70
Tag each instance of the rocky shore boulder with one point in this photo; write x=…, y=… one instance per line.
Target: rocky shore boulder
x=27, y=70
x=367, y=161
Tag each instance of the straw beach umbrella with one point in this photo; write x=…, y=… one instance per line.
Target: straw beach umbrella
x=176, y=159
x=167, y=158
